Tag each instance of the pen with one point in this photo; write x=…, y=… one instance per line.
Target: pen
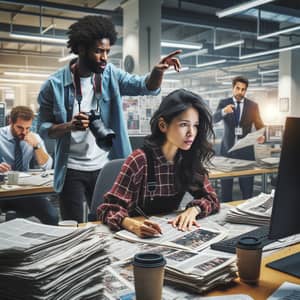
x=156, y=227
x=139, y=210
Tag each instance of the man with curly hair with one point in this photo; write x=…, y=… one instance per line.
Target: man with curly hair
x=89, y=83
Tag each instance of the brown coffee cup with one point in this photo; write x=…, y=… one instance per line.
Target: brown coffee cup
x=148, y=270
x=248, y=251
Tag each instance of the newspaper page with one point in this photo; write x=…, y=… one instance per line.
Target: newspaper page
x=260, y=205
x=255, y=211
x=20, y=235
x=196, y=239
x=249, y=140
x=227, y=164
x=287, y=291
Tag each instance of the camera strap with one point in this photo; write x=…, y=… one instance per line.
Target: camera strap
x=97, y=86
x=151, y=181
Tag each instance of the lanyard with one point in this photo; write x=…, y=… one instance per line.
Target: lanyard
x=96, y=86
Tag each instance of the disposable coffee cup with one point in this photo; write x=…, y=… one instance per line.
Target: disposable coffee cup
x=248, y=251
x=12, y=177
x=68, y=223
x=148, y=270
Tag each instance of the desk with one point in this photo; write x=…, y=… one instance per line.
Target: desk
x=26, y=191
x=270, y=279
x=214, y=174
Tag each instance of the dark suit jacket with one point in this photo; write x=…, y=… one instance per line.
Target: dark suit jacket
x=250, y=116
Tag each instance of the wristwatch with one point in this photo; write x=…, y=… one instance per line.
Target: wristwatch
x=37, y=146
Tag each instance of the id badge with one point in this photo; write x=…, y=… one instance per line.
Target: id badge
x=238, y=131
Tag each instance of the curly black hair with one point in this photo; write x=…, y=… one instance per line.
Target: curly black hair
x=88, y=30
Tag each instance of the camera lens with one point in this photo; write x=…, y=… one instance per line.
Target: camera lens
x=103, y=135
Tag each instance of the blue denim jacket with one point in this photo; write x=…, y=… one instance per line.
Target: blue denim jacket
x=56, y=100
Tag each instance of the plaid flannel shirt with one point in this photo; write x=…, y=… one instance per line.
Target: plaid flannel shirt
x=131, y=185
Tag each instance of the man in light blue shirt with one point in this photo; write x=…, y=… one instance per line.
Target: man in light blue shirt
x=89, y=83
x=19, y=149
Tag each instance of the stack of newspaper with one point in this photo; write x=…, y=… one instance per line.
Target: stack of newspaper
x=190, y=271
x=255, y=211
x=269, y=162
x=190, y=264
x=49, y=262
x=226, y=164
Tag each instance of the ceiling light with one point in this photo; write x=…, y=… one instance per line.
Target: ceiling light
x=216, y=91
x=241, y=7
x=38, y=38
x=21, y=80
x=171, y=80
x=67, y=57
x=193, y=53
x=270, y=51
x=174, y=71
x=29, y=74
x=181, y=45
x=227, y=45
x=230, y=82
x=218, y=78
x=48, y=28
x=263, y=72
x=210, y=63
x=285, y=30
x=270, y=83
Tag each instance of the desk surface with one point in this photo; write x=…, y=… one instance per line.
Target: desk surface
x=26, y=190
x=214, y=174
x=270, y=279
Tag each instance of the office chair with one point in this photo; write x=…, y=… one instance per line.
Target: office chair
x=105, y=181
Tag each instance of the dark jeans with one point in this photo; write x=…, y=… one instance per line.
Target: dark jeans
x=39, y=207
x=78, y=187
x=246, y=186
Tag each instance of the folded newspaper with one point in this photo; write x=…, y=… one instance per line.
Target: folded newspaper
x=50, y=262
x=226, y=164
x=269, y=162
x=195, y=239
x=255, y=211
x=249, y=140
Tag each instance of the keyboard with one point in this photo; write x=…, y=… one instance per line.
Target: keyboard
x=229, y=245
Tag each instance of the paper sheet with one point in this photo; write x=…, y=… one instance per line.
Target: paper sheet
x=249, y=140
x=287, y=291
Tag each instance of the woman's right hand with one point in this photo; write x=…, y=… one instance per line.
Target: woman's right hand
x=143, y=229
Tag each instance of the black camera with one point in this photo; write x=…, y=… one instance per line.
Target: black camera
x=102, y=134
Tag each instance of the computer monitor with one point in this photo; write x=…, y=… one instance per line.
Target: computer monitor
x=285, y=219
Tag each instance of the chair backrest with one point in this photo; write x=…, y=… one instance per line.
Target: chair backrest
x=105, y=181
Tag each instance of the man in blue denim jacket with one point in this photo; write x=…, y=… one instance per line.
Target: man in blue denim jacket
x=71, y=92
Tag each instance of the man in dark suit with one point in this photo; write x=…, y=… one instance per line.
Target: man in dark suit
x=239, y=114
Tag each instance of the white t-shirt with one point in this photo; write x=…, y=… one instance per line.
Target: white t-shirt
x=84, y=154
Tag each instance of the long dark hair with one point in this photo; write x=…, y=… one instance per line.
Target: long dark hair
x=190, y=165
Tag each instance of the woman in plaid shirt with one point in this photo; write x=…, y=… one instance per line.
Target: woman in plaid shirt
x=180, y=148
